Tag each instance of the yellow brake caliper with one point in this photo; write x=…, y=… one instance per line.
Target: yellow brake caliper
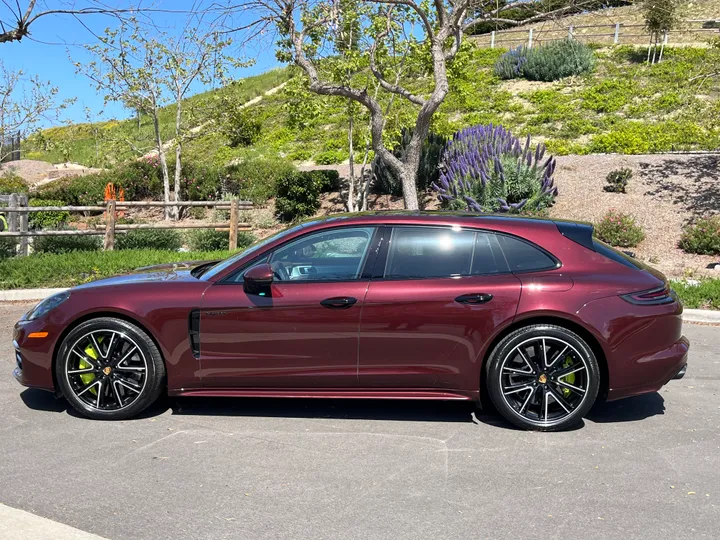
x=87, y=378
x=570, y=379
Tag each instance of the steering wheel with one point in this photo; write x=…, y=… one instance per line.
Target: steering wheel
x=280, y=272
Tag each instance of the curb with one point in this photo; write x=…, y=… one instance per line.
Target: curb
x=21, y=295
x=701, y=316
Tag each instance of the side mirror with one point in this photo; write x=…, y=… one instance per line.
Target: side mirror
x=257, y=277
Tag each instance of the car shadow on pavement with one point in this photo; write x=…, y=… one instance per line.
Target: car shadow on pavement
x=628, y=409
x=42, y=400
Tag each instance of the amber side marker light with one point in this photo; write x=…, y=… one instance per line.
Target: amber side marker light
x=38, y=335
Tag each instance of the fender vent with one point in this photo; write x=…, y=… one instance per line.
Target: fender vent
x=194, y=332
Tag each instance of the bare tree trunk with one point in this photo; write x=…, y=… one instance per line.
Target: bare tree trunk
x=138, y=119
x=351, y=203
x=662, y=48
x=163, y=161
x=654, y=50
x=649, y=49
x=178, y=154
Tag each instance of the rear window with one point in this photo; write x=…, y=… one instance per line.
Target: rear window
x=522, y=256
x=603, y=249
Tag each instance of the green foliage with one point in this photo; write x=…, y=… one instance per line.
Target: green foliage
x=159, y=239
x=255, y=179
x=619, y=230
x=8, y=247
x=558, y=59
x=197, y=212
x=47, y=220
x=703, y=295
x=241, y=126
x=635, y=137
x=617, y=180
x=298, y=196
x=702, y=237
x=212, y=240
x=140, y=179
x=66, y=244
x=510, y=65
x=331, y=157
x=74, y=268
x=12, y=183
x=200, y=183
x=76, y=190
x=609, y=95
x=386, y=182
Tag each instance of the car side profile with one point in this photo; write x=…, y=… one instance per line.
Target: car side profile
x=536, y=313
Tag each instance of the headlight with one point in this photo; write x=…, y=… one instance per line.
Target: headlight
x=47, y=305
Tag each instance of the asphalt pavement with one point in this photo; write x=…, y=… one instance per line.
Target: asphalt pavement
x=646, y=467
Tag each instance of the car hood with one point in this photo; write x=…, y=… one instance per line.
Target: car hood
x=162, y=272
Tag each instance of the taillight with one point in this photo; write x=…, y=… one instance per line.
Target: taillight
x=652, y=297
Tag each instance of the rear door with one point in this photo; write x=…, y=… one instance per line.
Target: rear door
x=432, y=306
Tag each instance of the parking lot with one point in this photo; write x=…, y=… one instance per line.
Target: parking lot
x=646, y=467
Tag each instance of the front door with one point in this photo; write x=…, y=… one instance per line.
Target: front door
x=427, y=316
x=302, y=332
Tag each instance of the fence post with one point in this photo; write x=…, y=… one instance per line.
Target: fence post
x=23, y=244
x=492, y=39
x=109, y=243
x=530, y=33
x=616, y=39
x=12, y=216
x=233, y=224
x=571, y=30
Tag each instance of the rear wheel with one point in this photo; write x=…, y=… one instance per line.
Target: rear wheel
x=109, y=369
x=543, y=377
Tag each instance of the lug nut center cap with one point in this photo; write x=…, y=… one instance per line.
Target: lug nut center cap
x=108, y=370
x=542, y=379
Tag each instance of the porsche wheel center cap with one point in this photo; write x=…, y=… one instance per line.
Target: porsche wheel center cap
x=542, y=379
x=108, y=369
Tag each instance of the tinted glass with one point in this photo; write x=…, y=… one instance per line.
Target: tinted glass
x=522, y=256
x=615, y=255
x=332, y=255
x=426, y=252
x=488, y=259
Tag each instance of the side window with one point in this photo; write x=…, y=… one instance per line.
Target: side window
x=522, y=256
x=427, y=252
x=488, y=258
x=331, y=255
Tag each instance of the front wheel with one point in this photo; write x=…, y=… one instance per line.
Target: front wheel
x=109, y=369
x=543, y=377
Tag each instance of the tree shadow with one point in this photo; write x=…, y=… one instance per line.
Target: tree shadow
x=693, y=183
x=628, y=410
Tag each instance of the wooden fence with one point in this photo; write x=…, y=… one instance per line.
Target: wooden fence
x=17, y=217
x=689, y=31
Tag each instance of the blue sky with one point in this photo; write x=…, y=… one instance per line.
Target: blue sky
x=56, y=38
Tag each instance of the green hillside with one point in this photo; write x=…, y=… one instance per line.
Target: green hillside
x=623, y=106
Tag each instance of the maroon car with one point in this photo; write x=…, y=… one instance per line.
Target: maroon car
x=537, y=313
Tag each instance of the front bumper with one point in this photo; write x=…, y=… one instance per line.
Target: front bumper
x=33, y=357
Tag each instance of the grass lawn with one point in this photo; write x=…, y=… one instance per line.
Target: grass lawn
x=69, y=269
x=705, y=295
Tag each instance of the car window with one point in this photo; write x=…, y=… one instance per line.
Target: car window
x=330, y=255
x=488, y=258
x=429, y=252
x=522, y=256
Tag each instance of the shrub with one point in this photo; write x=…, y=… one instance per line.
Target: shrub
x=618, y=179
x=66, y=244
x=298, y=195
x=47, y=220
x=240, y=125
x=385, y=181
x=197, y=212
x=255, y=179
x=331, y=157
x=486, y=169
x=558, y=59
x=702, y=237
x=619, y=230
x=8, y=247
x=140, y=179
x=12, y=183
x=212, y=240
x=510, y=64
x=76, y=190
x=328, y=179
x=200, y=183
x=160, y=239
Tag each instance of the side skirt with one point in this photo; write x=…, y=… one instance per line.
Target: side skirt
x=335, y=393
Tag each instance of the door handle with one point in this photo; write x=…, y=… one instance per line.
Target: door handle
x=475, y=298
x=339, y=302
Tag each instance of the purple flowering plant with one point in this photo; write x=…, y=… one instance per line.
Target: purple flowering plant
x=486, y=169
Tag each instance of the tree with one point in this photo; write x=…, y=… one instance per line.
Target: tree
x=24, y=102
x=660, y=17
x=393, y=37
x=146, y=69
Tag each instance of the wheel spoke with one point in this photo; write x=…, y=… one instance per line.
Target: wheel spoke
x=86, y=388
x=96, y=345
x=527, y=400
x=130, y=352
x=546, y=402
x=525, y=359
x=560, y=400
x=111, y=346
x=517, y=388
x=85, y=357
x=568, y=371
x=117, y=393
x=544, y=353
x=137, y=369
x=127, y=384
x=79, y=371
x=571, y=387
x=558, y=356
x=100, y=392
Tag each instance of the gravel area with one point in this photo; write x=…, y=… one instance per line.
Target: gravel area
x=31, y=170
x=666, y=192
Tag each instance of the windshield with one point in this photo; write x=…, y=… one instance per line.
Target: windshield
x=257, y=246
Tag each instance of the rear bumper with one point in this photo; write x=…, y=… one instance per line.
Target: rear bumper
x=660, y=368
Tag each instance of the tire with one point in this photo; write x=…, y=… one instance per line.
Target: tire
x=109, y=369
x=543, y=377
